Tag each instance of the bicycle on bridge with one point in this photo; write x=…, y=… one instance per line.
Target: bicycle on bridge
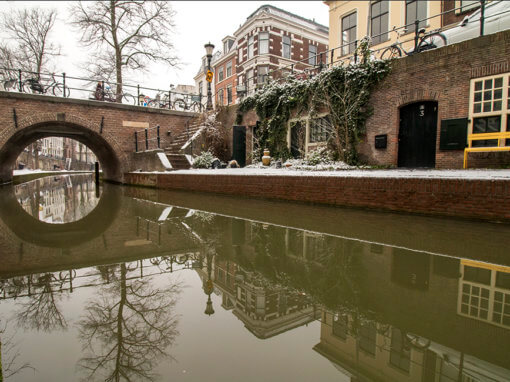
x=36, y=86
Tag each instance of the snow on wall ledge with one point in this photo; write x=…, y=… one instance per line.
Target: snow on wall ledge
x=473, y=197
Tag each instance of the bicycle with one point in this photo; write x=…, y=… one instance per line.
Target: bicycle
x=34, y=85
x=161, y=101
x=110, y=96
x=426, y=41
x=188, y=103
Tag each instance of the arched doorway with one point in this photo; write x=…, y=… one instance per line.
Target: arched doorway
x=417, y=135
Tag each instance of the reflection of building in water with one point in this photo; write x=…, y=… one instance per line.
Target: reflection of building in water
x=53, y=205
x=371, y=351
x=484, y=292
x=426, y=295
x=60, y=199
x=265, y=308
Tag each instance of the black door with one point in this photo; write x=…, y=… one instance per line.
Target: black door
x=239, y=145
x=297, y=139
x=417, y=135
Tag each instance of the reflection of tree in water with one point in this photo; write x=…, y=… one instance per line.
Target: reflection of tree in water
x=41, y=311
x=9, y=355
x=127, y=329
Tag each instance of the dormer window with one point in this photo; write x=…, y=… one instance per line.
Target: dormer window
x=227, y=44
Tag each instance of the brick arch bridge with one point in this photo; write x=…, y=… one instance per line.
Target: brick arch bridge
x=106, y=128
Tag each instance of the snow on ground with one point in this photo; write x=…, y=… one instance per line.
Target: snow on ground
x=354, y=173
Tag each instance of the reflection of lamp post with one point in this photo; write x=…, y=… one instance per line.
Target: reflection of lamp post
x=209, y=49
x=208, y=286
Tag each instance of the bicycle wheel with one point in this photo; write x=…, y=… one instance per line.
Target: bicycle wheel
x=431, y=41
x=391, y=53
x=128, y=98
x=179, y=104
x=196, y=107
x=58, y=90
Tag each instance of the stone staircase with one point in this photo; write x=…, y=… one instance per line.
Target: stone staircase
x=174, y=151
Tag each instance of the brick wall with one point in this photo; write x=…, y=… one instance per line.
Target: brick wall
x=97, y=124
x=441, y=75
x=479, y=199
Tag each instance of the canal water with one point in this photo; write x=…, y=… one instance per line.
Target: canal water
x=136, y=284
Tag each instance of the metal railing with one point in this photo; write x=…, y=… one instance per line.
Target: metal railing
x=148, y=139
x=63, y=85
x=326, y=59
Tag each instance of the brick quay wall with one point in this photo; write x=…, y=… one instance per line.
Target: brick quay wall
x=483, y=199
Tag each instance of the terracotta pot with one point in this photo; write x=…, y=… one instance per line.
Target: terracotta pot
x=266, y=159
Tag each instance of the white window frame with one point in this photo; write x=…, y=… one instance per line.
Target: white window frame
x=312, y=56
x=284, y=45
x=251, y=47
x=263, y=43
x=504, y=113
x=229, y=69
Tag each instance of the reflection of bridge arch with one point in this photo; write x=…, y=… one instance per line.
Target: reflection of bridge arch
x=34, y=231
x=33, y=128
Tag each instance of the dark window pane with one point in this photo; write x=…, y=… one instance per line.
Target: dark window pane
x=498, y=94
x=487, y=95
x=478, y=275
x=498, y=307
x=478, y=107
x=473, y=311
x=506, y=320
x=496, y=317
x=483, y=314
x=488, y=84
x=464, y=309
x=474, y=300
x=498, y=296
x=498, y=82
x=466, y=288
x=497, y=106
x=484, y=303
x=465, y=298
x=485, y=293
x=478, y=85
x=478, y=96
x=486, y=107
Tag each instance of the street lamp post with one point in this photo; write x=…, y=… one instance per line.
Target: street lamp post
x=209, y=50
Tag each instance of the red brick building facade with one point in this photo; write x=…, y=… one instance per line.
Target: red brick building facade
x=273, y=41
x=225, y=74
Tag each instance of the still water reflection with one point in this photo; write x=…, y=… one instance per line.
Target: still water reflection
x=167, y=286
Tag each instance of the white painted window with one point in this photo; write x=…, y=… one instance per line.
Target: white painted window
x=489, y=107
x=250, y=47
x=263, y=43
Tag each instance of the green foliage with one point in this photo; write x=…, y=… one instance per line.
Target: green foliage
x=344, y=91
x=204, y=160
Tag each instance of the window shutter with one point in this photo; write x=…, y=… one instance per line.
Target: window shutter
x=453, y=134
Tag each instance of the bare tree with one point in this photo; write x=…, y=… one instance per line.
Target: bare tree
x=127, y=329
x=126, y=35
x=30, y=47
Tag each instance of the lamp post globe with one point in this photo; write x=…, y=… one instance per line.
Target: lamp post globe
x=209, y=51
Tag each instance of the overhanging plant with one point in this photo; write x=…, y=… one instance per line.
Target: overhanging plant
x=342, y=91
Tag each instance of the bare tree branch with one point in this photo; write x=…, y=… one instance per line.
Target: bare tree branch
x=29, y=44
x=126, y=36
